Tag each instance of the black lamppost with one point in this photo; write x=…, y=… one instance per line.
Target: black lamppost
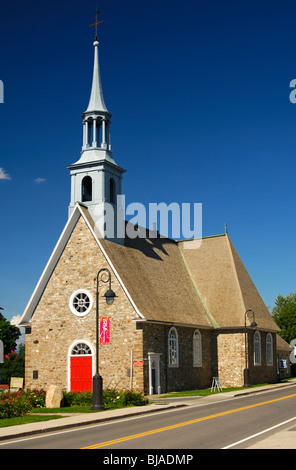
x=253, y=326
x=104, y=276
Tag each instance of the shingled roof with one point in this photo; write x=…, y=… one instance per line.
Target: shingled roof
x=224, y=283
x=153, y=272
x=205, y=286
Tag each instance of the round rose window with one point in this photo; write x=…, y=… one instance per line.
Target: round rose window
x=81, y=302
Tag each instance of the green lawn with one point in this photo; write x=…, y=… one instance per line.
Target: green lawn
x=45, y=414
x=5, y=422
x=65, y=409
x=207, y=391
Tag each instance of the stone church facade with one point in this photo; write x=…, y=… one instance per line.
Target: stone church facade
x=179, y=317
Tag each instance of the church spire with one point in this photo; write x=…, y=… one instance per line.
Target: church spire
x=96, y=177
x=96, y=118
x=96, y=102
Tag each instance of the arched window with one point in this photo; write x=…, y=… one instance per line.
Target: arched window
x=269, y=350
x=173, y=349
x=86, y=189
x=81, y=349
x=257, y=348
x=112, y=190
x=197, y=348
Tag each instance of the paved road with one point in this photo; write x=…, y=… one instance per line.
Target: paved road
x=204, y=424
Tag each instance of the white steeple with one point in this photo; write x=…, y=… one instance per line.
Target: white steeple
x=96, y=102
x=95, y=177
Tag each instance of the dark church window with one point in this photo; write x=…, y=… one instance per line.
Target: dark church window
x=86, y=189
x=81, y=349
x=112, y=190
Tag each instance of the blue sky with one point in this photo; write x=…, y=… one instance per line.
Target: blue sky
x=199, y=93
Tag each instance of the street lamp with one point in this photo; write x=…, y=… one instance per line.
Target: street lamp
x=104, y=276
x=253, y=326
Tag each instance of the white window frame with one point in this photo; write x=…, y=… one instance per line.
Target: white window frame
x=173, y=348
x=257, y=348
x=197, y=349
x=71, y=305
x=269, y=349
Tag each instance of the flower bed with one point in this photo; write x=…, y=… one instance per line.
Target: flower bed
x=19, y=403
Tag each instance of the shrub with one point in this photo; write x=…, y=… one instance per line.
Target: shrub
x=19, y=403
x=36, y=397
x=112, y=398
x=77, y=398
x=14, y=404
x=14, y=365
x=132, y=398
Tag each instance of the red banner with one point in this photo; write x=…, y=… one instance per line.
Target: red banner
x=104, y=330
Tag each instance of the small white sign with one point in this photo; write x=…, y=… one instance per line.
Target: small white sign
x=216, y=384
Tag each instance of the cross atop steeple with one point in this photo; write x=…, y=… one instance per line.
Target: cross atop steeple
x=96, y=23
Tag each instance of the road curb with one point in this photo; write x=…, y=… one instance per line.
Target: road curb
x=52, y=427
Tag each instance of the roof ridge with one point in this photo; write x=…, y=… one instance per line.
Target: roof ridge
x=201, y=238
x=235, y=271
x=208, y=313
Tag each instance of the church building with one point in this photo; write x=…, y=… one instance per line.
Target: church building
x=156, y=314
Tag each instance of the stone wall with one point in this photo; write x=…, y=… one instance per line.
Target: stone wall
x=185, y=376
x=55, y=328
x=232, y=362
x=262, y=373
x=231, y=357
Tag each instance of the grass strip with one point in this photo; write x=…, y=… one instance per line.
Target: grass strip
x=5, y=422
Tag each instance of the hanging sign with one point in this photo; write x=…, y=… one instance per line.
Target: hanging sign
x=105, y=330
x=138, y=363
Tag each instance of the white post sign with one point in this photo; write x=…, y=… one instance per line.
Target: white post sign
x=1, y=352
x=216, y=384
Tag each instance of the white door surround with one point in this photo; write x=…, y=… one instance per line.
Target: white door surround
x=154, y=373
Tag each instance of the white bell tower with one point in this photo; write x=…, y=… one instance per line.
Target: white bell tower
x=95, y=177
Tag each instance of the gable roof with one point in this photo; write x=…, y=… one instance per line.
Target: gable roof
x=224, y=283
x=151, y=272
x=166, y=282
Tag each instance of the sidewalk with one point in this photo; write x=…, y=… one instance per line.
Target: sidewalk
x=280, y=440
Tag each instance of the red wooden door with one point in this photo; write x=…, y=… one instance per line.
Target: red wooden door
x=81, y=373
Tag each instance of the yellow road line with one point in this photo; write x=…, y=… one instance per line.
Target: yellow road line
x=185, y=423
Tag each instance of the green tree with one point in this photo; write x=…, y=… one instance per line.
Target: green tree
x=284, y=314
x=9, y=334
x=14, y=365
